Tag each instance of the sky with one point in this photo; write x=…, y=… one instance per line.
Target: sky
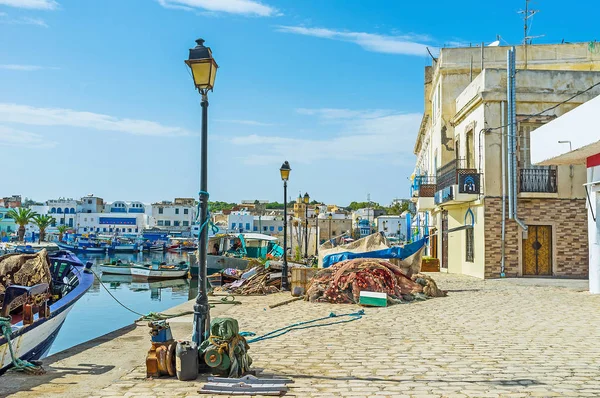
x=95, y=97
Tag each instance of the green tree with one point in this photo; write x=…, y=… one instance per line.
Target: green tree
x=61, y=231
x=220, y=206
x=42, y=223
x=22, y=217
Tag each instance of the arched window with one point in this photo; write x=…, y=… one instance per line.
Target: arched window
x=59, y=210
x=53, y=210
x=72, y=210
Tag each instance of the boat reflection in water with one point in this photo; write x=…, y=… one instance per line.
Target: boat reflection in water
x=178, y=287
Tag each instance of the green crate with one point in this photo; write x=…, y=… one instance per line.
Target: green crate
x=373, y=299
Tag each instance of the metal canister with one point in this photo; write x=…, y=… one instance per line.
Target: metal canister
x=186, y=360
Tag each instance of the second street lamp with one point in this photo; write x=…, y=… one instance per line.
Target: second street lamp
x=317, y=211
x=285, y=175
x=204, y=71
x=306, y=201
x=330, y=217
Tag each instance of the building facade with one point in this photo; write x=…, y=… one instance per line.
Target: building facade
x=573, y=140
x=177, y=216
x=458, y=185
x=393, y=226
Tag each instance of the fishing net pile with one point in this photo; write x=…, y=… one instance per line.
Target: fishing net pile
x=257, y=278
x=24, y=270
x=343, y=282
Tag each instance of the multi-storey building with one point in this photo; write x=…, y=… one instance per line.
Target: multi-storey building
x=176, y=216
x=459, y=186
x=90, y=204
x=11, y=202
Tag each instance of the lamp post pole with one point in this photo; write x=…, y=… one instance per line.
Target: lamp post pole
x=317, y=232
x=306, y=201
x=204, y=70
x=284, y=170
x=284, y=268
x=329, y=226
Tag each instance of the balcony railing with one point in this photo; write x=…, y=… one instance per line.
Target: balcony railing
x=447, y=175
x=538, y=180
x=423, y=186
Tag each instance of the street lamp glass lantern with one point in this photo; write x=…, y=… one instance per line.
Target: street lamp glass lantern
x=285, y=171
x=306, y=198
x=203, y=66
x=317, y=211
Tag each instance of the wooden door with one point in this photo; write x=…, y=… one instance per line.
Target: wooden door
x=444, y=239
x=433, y=249
x=537, y=250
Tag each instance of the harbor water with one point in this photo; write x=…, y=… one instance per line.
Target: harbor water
x=97, y=313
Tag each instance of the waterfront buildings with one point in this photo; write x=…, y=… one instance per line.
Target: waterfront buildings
x=458, y=185
x=393, y=226
x=7, y=224
x=11, y=202
x=176, y=216
x=573, y=140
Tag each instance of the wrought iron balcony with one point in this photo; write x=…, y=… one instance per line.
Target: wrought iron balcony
x=454, y=173
x=423, y=186
x=538, y=180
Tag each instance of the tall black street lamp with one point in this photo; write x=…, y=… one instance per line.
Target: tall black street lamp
x=285, y=175
x=204, y=71
x=306, y=200
x=317, y=211
x=329, y=217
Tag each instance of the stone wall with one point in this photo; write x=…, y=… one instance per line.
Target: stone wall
x=569, y=220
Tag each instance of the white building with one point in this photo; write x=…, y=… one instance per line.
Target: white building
x=574, y=139
x=63, y=210
x=90, y=204
x=177, y=216
x=268, y=225
x=240, y=221
x=392, y=226
x=111, y=223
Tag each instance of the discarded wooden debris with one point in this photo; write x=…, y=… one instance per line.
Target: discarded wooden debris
x=286, y=302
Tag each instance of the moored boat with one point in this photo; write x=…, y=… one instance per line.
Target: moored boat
x=116, y=268
x=32, y=336
x=159, y=272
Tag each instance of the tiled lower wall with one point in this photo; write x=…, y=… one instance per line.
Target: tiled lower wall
x=569, y=220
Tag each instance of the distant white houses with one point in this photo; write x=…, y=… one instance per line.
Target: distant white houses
x=392, y=226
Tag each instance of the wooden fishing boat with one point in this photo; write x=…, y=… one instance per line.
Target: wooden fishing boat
x=116, y=268
x=159, y=272
x=38, y=312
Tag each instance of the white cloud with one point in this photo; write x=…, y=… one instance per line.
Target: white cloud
x=24, y=114
x=336, y=113
x=243, y=7
x=22, y=21
x=362, y=136
x=31, y=4
x=397, y=44
x=25, y=68
x=18, y=138
x=245, y=122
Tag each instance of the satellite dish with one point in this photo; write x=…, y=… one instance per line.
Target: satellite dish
x=494, y=43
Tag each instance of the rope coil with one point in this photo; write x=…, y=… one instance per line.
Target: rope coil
x=19, y=364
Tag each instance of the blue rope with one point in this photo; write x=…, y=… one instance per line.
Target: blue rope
x=208, y=221
x=354, y=316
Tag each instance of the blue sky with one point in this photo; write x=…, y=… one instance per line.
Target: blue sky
x=95, y=97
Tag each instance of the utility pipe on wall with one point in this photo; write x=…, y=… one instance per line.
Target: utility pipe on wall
x=503, y=138
x=512, y=124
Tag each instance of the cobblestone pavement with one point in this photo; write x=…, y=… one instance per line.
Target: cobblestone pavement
x=486, y=339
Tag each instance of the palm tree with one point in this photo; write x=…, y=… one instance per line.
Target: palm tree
x=61, y=230
x=42, y=223
x=22, y=217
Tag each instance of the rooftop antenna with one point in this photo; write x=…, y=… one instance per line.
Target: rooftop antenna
x=526, y=38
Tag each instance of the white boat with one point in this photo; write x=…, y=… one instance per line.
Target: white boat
x=33, y=340
x=116, y=269
x=158, y=273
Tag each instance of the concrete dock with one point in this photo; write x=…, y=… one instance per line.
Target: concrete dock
x=493, y=338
